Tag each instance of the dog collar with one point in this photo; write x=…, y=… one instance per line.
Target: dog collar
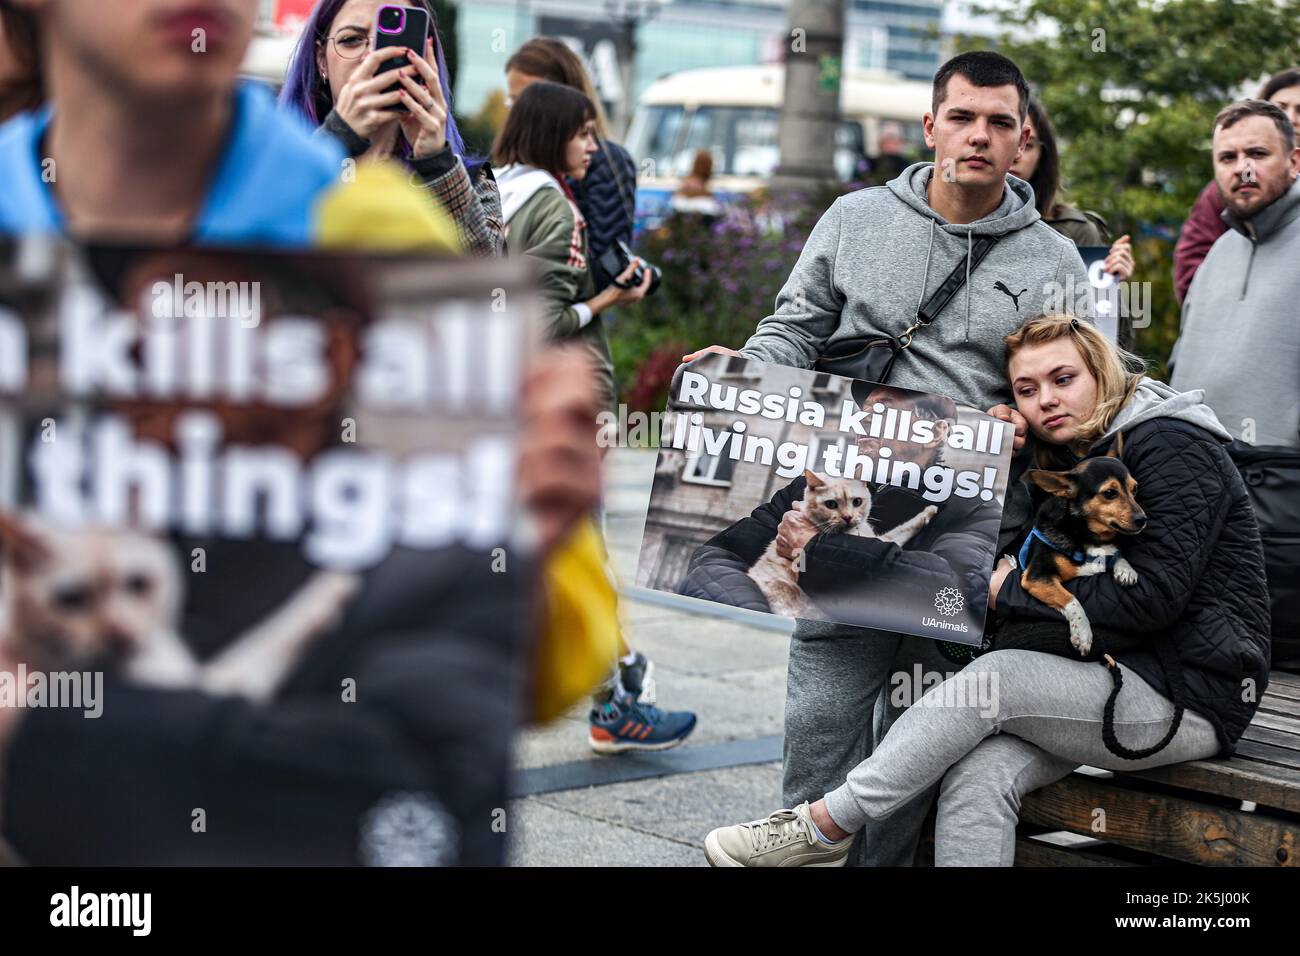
x=1078, y=557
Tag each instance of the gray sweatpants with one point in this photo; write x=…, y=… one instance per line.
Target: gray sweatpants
x=835, y=712
x=1053, y=707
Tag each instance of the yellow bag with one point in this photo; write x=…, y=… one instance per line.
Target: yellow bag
x=580, y=643
x=380, y=211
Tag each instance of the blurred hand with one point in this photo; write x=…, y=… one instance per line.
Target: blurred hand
x=719, y=349
x=1120, y=259
x=999, y=578
x=362, y=102
x=1008, y=414
x=559, y=460
x=9, y=716
x=425, y=126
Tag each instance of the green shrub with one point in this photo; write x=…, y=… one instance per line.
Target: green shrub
x=720, y=278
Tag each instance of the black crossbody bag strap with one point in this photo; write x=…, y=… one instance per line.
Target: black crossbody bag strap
x=871, y=358
x=950, y=286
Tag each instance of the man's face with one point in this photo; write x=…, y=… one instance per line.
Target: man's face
x=305, y=428
x=920, y=454
x=976, y=134
x=153, y=49
x=1252, y=166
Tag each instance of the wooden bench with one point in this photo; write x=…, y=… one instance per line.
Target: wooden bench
x=1239, y=812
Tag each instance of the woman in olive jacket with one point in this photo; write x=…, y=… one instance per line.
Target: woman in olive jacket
x=549, y=135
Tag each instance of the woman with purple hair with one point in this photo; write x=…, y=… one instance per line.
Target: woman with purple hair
x=332, y=81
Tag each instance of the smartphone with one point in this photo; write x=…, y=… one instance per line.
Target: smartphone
x=400, y=26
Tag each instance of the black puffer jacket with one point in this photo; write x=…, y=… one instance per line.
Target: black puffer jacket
x=1201, y=581
x=855, y=580
x=607, y=200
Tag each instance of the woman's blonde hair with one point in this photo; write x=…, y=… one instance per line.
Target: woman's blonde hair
x=1116, y=370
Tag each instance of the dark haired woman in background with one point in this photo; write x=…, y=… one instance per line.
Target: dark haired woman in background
x=1040, y=166
x=606, y=196
x=20, y=73
x=333, y=81
x=549, y=138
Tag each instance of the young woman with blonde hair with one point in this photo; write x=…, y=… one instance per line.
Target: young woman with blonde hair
x=1189, y=638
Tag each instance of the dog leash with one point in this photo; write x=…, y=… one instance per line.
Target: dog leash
x=1173, y=669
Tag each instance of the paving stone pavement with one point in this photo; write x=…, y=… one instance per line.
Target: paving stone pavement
x=730, y=670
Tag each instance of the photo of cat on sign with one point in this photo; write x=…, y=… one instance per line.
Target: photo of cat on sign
x=811, y=496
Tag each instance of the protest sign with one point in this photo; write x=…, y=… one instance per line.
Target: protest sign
x=349, y=404
x=818, y=497
x=1104, y=292
x=260, y=500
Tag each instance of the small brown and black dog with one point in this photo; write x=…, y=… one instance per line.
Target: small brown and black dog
x=1074, y=534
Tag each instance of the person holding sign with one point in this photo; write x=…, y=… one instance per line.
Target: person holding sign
x=872, y=262
x=1188, y=666
x=1039, y=165
x=217, y=164
x=856, y=579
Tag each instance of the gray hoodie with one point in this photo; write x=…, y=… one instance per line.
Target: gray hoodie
x=1157, y=400
x=878, y=253
x=1240, y=337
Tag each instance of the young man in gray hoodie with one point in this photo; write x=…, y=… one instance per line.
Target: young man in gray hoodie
x=869, y=264
x=1240, y=337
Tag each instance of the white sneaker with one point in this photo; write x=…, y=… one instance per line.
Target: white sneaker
x=786, y=838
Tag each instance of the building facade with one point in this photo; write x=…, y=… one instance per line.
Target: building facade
x=898, y=35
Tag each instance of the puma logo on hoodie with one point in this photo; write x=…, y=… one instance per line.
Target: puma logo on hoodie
x=1015, y=296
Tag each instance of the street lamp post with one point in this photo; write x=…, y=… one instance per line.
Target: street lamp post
x=628, y=15
x=810, y=111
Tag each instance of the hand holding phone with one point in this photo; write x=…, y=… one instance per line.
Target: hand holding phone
x=404, y=27
x=363, y=102
x=425, y=126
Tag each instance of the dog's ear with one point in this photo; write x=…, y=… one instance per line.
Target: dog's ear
x=813, y=480
x=1060, y=483
x=1117, y=449
x=21, y=544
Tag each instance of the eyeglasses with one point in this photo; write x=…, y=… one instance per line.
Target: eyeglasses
x=351, y=46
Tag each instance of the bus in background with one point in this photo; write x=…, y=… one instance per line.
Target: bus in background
x=733, y=112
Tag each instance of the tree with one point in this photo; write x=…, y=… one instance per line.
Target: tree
x=1132, y=87
x=810, y=107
